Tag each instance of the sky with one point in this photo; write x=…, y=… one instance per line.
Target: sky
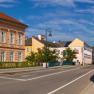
x=66, y=19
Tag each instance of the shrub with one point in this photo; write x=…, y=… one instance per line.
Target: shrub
x=15, y=64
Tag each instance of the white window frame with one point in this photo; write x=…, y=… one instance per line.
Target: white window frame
x=11, y=56
x=20, y=56
x=12, y=37
x=3, y=36
x=20, y=39
x=3, y=56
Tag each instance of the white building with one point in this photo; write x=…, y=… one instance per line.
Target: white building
x=83, y=51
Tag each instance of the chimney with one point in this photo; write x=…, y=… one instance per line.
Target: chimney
x=41, y=37
x=54, y=41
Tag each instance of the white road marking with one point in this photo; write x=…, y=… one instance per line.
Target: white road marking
x=50, y=74
x=26, y=74
x=3, y=77
x=52, y=92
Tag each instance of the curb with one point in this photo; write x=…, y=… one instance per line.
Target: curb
x=88, y=89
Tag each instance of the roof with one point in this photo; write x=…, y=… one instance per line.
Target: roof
x=50, y=44
x=66, y=43
x=87, y=45
x=28, y=42
x=3, y=16
x=92, y=47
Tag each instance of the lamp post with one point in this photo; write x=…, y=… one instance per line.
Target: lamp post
x=47, y=33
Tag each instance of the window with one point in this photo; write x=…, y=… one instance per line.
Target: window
x=62, y=53
x=3, y=37
x=11, y=56
x=20, y=56
x=11, y=37
x=20, y=39
x=27, y=49
x=76, y=51
x=3, y=56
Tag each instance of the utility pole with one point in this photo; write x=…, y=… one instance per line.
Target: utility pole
x=47, y=33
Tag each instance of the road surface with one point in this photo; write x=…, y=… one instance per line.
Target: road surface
x=50, y=81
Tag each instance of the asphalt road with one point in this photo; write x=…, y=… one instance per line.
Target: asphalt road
x=50, y=81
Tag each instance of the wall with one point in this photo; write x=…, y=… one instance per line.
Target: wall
x=7, y=47
x=28, y=50
x=87, y=55
x=79, y=54
x=36, y=45
x=76, y=43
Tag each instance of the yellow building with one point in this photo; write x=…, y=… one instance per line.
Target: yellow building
x=28, y=46
x=77, y=43
x=37, y=43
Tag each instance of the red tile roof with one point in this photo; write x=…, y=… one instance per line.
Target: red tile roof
x=8, y=18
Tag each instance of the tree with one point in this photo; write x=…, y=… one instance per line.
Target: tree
x=43, y=55
x=32, y=58
x=47, y=55
x=69, y=54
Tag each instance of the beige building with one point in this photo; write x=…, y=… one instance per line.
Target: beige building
x=84, y=51
x=12, y=39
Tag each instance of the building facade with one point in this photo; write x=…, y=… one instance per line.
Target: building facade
x=37, y=43
x=28, y=47
x=83, y=51
x=12, y=39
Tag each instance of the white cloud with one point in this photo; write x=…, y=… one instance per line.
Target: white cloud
x=54, y=2
x=8, y=3
x=85, y=1
x=6, y=6
x=88, y=10
x=77, y=29
x=68, y=3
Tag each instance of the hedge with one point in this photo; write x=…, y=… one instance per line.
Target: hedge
x=17, y=64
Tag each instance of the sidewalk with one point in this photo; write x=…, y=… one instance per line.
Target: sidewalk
x=32, y=69
x=89, y=89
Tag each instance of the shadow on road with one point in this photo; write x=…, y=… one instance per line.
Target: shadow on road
x=92, y=78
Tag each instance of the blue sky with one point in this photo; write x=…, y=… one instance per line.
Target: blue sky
x=67, y=19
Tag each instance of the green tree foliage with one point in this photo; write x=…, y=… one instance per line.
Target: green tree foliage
x=47, y=55
x=32, y=58
x=43, y=55
x=69, y=54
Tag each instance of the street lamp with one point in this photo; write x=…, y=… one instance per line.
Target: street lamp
x=47, y=33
